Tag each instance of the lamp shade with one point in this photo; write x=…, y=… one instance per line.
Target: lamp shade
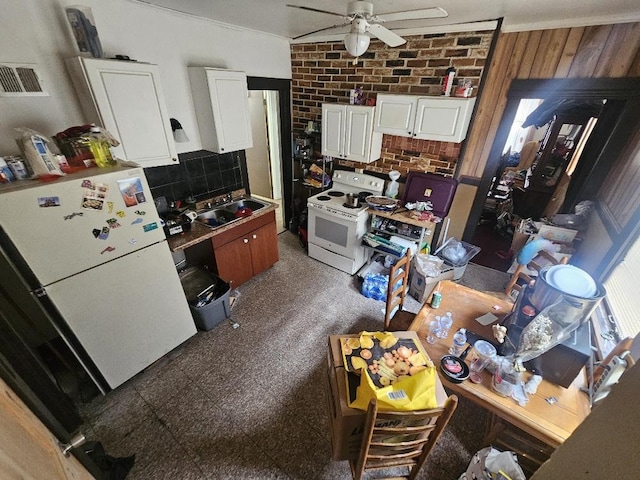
x=178, y=133
x=356, y=43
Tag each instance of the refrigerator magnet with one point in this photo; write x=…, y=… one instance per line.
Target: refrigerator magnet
x=104, y=234
x=113, y=223
x=74, y=214
x=137, y=220
x=107, y=250
x=94, y=195
x=150, y=226
x=120, y=213
x=132, y=191
x=96, y=232
x=140, y=212
x=110, y=206
x=133, y=241
x=48, y=201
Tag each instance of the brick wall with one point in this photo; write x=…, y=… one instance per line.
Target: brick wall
x=325, y=73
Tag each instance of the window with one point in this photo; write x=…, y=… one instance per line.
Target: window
x=622, y=293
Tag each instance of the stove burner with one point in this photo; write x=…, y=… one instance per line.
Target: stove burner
x=363, y=195
x=346, y=205
x=323, y=198
x=336, y=193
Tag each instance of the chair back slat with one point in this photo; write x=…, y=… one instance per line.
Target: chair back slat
x=394, y=439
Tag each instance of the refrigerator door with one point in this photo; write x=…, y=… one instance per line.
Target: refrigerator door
x=79, y=221
x=127, y=313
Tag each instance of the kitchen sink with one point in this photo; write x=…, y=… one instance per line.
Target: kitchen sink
x=223, y=214
x=244, y=203
x=216, y=217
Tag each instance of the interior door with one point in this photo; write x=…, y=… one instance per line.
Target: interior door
x=27, y=448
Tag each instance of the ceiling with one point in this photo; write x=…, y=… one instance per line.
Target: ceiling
x=273, y=16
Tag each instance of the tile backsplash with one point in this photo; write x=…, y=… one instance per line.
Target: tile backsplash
x=201, y=174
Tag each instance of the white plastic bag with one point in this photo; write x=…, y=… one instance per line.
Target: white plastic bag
x=489, y=461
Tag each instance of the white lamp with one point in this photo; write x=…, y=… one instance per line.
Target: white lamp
x=356, y=42
x=178, y=132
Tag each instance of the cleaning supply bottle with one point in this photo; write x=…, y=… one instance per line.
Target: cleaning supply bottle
x=100, y=148
x=459, y=341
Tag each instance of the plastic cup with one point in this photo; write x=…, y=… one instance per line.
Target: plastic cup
x=434, y=328
x=484, y=353
x=445, y=326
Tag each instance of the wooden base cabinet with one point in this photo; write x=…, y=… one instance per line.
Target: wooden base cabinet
x=244, y=251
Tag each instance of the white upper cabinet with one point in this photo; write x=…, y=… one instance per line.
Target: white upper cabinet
x=126, y=98
x=221, y=103
x=429, y=118
x=347, y=132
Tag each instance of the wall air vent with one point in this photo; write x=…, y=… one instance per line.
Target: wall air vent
x=20, y=80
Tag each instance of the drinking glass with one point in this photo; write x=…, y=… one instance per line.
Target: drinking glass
x=485, y=352
x=434, y=328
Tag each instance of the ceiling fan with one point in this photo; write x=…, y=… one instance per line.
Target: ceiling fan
x=363, y=21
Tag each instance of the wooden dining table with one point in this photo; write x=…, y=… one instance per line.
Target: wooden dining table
x=550, y=415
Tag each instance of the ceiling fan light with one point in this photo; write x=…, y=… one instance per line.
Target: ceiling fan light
x=356, y=43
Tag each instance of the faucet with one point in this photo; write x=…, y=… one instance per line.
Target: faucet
x=226, y=199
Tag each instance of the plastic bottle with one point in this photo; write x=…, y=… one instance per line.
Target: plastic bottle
x=100, y=148
x=459, y=341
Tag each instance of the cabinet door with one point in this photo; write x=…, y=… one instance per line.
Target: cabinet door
x=221, y=103
x=126, y=98
x=443, y=119
x=359, y=129
x=395, y=114
x=333, y=119
x=233, y=261
x=264, y=247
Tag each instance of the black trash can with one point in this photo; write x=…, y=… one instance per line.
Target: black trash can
x=207, y=295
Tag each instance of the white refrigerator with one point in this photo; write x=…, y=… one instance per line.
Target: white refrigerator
x=91, y=249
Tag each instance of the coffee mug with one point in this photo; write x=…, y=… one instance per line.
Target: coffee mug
x=191, y=215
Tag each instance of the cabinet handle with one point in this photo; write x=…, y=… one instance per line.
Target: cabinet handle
x=254, y=236
x=245, y=240
x=174, y=159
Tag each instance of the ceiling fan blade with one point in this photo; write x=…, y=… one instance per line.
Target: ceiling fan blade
x=316, y=10
x=386, y=35
x=435, y=12
x=321, y=30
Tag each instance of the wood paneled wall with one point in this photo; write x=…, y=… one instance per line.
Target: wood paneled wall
x=586, y=52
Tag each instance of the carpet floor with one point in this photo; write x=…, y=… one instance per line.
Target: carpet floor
x=251, y=402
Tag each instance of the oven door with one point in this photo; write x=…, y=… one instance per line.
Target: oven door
x=335, y=233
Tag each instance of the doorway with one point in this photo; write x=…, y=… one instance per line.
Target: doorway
x=270, y=107
x=264, y=162
x=598, y=151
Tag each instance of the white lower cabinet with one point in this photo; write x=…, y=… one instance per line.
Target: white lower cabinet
x=126, y=98
x=347, y=132
x=444, y=119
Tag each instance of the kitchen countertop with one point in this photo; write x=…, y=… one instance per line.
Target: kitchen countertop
x=200, y=232
x=404, y=216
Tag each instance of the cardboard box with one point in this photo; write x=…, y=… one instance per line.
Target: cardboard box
x=347, y=424
x=421, y=286
x=557, y=234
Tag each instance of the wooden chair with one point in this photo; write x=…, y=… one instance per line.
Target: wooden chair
x=519, y=279
x=396, y=295
x=400, y=439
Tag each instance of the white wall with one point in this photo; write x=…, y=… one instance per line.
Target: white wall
x=36, y=31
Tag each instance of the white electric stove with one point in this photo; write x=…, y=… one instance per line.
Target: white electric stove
x=335, y=228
